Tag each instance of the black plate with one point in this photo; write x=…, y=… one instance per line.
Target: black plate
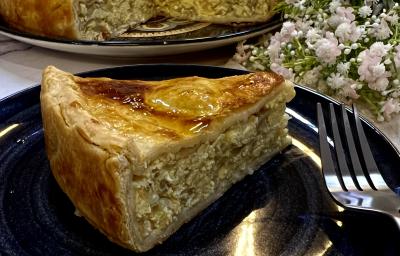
x=283, y=209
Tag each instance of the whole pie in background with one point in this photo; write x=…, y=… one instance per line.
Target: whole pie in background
x=101, y=20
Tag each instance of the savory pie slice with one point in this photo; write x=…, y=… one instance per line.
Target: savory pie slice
x=140, y=158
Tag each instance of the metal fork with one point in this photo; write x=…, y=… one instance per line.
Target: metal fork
x=356, y=187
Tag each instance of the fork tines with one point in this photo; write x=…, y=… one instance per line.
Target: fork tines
x=354, y=172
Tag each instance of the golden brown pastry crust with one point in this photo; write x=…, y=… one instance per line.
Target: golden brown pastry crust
x=173, y=107
x=94, y=166
x=53, y=18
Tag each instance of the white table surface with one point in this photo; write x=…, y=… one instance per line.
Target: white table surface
x=21, y=66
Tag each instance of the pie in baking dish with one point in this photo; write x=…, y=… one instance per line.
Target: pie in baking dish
x=138, y=159
x=98, y=20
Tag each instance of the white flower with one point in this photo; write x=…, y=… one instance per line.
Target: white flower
x=346, y=12
x=343, y=15
x=312, y=77
x=379, y=49
x=365, y=11
x=349, y=90
x=391, y=106
x=382, y=31
x=334, y=5
x=364, y=70
x=336, y=20
x=393, y=19
x=326, y=49
x=395, y=94
x=304, y=26
x=373, y=71
x=343, y=68
x=287, y=31
x=348, y=32
x=313, y=35
x=379, y=84
x=336, y=81
x=286, y=73
x=378, y=70
x=274, y=48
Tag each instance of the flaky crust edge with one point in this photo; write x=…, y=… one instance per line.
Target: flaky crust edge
x=96, y=171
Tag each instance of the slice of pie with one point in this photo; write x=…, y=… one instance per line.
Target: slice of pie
x=140, y=158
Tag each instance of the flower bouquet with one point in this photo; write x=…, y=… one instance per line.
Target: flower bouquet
x=347, y=49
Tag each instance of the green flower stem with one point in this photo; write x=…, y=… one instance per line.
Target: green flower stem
x=300, y=47
x=395, y=38
x=307, y=61
x=371, y=98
